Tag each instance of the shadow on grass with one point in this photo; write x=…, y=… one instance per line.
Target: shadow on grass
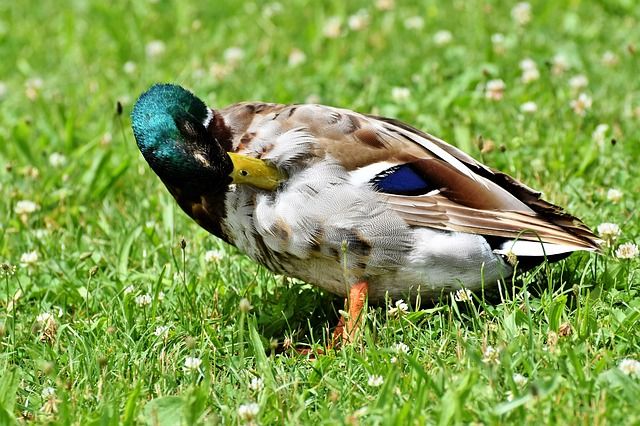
x=307, y=315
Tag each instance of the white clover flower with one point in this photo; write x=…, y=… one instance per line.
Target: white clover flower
x=7, y=269
x=296, y=57
x=400, y=308
x=498, y=43
x=375, y=381
x=198, y=73
x=233, y=55
x=30, y=171
x=155, y=48
x=519, y=379
x=529, y=107
x=272, y=9
x=244, y=306
x=57, y=160
x=248, y=412
x=521, y=13
x=129, y=289
x=600, y=133
x=609, y=231
x=627, y=251
x=400, y=94
x=47, y=326
x=442, y=37
x=582, y=104
x=211, y=256
x=528, y=64
x=610, y=59
x=495, y=89
x=45, y=318
x=414, y=23
x=630, y=367
x=463, y=295
x=614, y=195
x=24, y=207
x=143, y=300
x=29, y=258
x=50, y=401
x=359, y=21
x=401, y=348
x=559, y=64
x=385, y=4
x=106, y=139
x=129, y=67
x=256, y=384
x=332, y=27
x=578, y=82
x=161, y=330
x=191, y=363
x=530, y=75
x=48, y=392
x=33, y=87
x=497, y=38
x=491, y=355
x=219, y=71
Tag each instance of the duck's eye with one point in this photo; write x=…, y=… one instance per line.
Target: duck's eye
x=243, y=173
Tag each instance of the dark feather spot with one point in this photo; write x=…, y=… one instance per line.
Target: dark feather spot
x=334, y=117
x=281, y=230
x=245, y=140
x=369, y=137
x=354, y=123
x=258, y=108
x=402, y=180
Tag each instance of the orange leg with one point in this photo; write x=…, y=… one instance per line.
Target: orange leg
x=348, y=332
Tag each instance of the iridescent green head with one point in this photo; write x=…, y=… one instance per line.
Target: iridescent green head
x=172, y=129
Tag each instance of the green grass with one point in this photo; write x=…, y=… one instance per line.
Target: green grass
x=105, y=222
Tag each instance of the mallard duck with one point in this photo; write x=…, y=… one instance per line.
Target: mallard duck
x=359, y=205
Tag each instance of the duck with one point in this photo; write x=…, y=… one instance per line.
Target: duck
x=365, y=207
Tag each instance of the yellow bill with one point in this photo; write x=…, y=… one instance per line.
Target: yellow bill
x=255, y=172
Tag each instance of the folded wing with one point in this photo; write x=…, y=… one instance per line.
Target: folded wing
x=441, y=187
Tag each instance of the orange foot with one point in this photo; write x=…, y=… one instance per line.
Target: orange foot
x=348, y=333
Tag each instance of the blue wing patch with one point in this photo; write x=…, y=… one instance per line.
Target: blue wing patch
x=401, y=180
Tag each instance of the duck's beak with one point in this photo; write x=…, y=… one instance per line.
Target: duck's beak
x=255, y=172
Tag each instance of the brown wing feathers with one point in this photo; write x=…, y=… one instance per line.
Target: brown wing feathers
x=472, y=208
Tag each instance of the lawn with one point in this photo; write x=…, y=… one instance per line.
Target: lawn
x=115, y=308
